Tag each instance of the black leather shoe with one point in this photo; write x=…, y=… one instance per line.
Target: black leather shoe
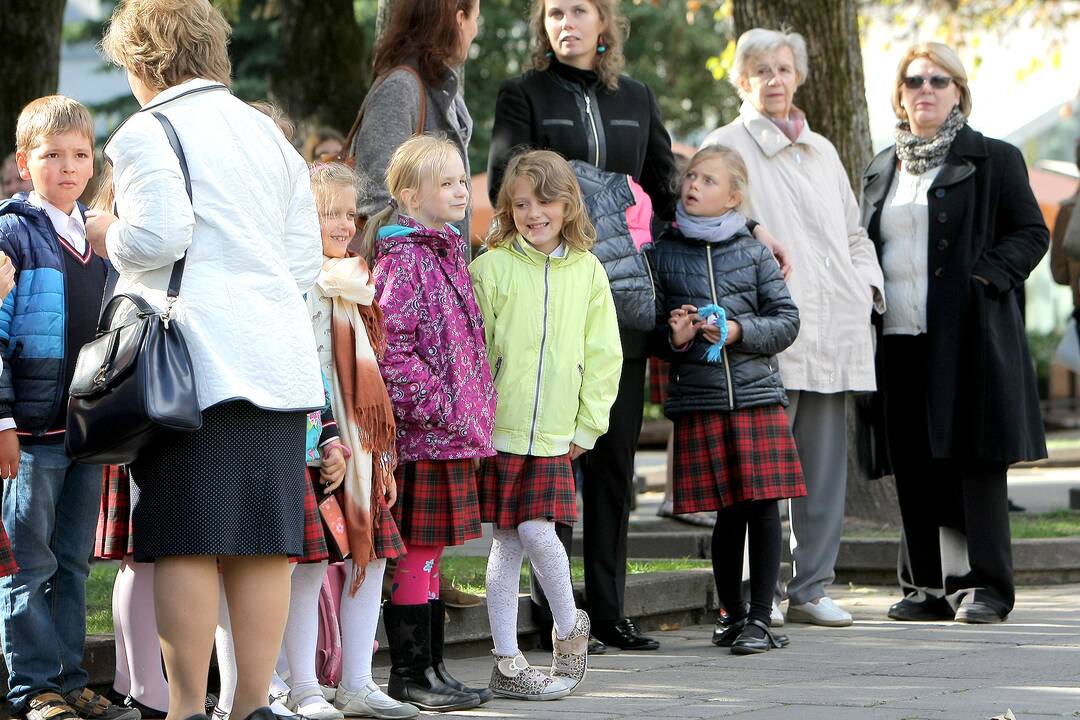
x=727, y=630
x=624, y=635
x=977, y=613
x=911, y=610
x=147, y=712
x=747, y=644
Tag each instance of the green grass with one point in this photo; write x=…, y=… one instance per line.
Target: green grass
x=465, y=572
x=1059, y=523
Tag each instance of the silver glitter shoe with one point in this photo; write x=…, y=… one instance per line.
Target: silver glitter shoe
x=570, y=657
x=514, y=677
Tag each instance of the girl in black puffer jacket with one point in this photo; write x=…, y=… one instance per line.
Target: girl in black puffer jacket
x=723, y=312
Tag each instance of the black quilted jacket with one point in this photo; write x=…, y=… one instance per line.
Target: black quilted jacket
x=740, y=275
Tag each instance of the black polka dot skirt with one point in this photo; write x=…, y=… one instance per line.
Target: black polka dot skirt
x=234, y=487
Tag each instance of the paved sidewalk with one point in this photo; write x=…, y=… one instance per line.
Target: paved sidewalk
x=875, y=669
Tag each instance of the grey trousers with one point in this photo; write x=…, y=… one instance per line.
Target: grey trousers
x=819, y=423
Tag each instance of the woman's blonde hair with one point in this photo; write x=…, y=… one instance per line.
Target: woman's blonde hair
x=941, y=55
x=610, y=63
x=420, y=158
x=104, y=193
x=326, y=178
x=733, y=163
x=166, y=42
x=552, y=180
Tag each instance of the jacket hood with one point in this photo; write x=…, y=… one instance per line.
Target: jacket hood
x=522, y=250
x=409, y=232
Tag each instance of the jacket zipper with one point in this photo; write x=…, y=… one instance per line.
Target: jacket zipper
x=540, y=365
x=723, y=351
x=592, y=123
x=498, y=366
x=648, y=269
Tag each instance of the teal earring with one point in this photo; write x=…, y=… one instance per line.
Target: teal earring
x=601, y=48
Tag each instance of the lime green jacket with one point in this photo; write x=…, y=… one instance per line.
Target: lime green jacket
x=553, y=344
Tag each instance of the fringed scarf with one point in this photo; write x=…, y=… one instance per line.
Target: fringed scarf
x=362, y=409
x=920, y=154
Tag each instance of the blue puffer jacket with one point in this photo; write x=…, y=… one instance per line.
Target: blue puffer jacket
x=32, y=327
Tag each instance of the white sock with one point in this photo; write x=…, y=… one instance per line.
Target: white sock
x=277, y=685
x=359, y=620
x=302, y=630
x=548, y=558
x=226, y=654
x=503, y=584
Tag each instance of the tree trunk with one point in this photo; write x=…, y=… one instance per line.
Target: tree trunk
x=834, y=101
x=30, y=56
x=833, y=96
x=320, y=40
x=382, y=19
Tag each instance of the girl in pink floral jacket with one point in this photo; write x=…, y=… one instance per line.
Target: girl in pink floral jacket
x=437, y=375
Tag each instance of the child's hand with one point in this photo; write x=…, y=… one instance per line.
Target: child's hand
x=9, y=454
x=7, y=276
x=576, y=451
x=734, y=332
x=97, y=225
x=682, y=325
x=391, y=491
x=333, y=470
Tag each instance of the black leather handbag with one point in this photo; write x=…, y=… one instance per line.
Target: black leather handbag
x=135, y=383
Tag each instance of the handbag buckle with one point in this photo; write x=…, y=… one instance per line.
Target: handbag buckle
x=99, y=379
x=167, y=315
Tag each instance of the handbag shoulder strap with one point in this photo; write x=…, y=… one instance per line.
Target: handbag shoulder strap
x=177, y=275
x=346, y=155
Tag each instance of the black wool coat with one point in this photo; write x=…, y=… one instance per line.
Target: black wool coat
x=983, y=402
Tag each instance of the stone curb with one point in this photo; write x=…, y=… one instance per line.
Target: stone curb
x=652, y=599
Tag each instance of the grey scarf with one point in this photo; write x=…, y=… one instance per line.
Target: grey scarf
x=920, y=154
x=709, y=229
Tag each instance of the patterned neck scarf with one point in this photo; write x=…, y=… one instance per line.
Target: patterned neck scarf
x=919, y=154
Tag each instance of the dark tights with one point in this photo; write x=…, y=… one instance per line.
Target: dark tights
x=762, y=518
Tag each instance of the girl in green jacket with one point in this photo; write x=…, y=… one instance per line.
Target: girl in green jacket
x=553, y=345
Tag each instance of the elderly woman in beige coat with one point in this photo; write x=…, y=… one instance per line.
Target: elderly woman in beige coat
x=800, y=191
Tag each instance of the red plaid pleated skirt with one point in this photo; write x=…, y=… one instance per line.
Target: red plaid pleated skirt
x=315, y=549
x=658, y=380
x=7, y=555
x=516, y=488
x=388, y=542
x=114, y=537
x=437, y=502
x=726, y=458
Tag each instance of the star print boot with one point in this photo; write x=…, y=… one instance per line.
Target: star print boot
x=412, y=678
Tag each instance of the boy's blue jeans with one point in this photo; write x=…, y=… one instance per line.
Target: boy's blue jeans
x=50, y=513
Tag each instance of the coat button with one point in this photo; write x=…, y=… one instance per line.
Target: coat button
x=442, y=253
x=942, y=216
x=939, y=193
x=942, y=244
x=940, y=272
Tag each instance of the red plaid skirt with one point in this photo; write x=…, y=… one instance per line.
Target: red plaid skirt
x=315, y=549
x=437, y=502
x=658, y=380
x=726, y=458
x=516, y=488
x=7, y=555
x=388, y=542
x=114, y=537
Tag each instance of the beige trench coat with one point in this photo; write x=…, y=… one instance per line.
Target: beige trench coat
x=801, y=193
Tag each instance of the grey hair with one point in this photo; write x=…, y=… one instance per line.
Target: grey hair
x=757, y=41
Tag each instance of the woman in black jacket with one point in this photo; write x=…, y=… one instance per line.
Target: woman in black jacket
x=957, y=230
x=574, y=101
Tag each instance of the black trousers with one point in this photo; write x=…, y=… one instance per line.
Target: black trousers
x=955, y=512
x=607, y=493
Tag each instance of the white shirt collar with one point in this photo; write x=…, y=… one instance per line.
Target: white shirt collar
x=71, y=227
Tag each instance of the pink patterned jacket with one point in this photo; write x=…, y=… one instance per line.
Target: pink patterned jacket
x=436, y=369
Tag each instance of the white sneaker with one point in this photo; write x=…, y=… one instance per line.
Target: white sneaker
x=776, y=618
x=370, y=701
x=822, y=611
x=311, y=705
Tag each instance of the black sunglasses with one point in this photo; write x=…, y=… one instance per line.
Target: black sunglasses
x=938, y=82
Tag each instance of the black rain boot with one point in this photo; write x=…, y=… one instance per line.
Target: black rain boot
x=412, y=679
x=438, y=626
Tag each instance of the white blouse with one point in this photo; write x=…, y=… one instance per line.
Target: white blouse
x=251, y=235
x=905, y=232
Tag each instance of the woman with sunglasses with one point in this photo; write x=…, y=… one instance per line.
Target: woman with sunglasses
x=800, y=190
x=957, y=230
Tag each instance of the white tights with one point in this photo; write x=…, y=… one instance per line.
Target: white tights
x=538, y=540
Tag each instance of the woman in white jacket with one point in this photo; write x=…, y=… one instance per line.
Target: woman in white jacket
x=232, y=493
x=800, y=191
